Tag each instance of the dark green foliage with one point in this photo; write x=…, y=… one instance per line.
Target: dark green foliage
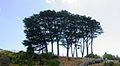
x=110, y=57
x=48, y=59
x=53, y=63
x=23, y=58
x=47, y=56
x=51, y=27
x=92, y=56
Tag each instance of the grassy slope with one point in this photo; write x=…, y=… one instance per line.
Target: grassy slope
x=69, y=61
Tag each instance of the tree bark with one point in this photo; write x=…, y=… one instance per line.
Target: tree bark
x=91, y=45
x=67, y=48
x=72, y=52
x=57, y=47
x=52, y=45
x=83, y=47
x=67, y=52
x=87, y=47
x=76, y=52
x=46, y=48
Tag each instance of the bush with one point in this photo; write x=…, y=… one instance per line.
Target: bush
x=109, y=64
x=92, y=56
x=49, y=55
x=108, y=56
x=53, y=63
x=48, y=59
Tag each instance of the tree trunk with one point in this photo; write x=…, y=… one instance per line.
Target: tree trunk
x=91, y=45
x=67, y=48
x=67, y=51
x=83, y=47
x=57, y=47
x=76, y=47
x=46, y=48
x=87, y=47
x=76, y=52
x=72, y=52
x=52, y=46
x=42, y=50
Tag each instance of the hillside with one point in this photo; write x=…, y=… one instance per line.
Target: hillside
x=64, y=61
x=22, y=58
x=99, y=64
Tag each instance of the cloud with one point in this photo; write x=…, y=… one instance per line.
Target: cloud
x=49, y=1
x=68, y=1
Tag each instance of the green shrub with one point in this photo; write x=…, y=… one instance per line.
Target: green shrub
x=111, y=64
x=92, y=56
x=53, y=63
x=108, y=56
x=48, y=59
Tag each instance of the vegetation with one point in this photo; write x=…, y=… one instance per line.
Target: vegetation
x=111, y=64
x=14, y=58
x=110, y=57
x=72, y=31
x=53, y=63
x=21, y=58
x=92, y=56
x=48, y=59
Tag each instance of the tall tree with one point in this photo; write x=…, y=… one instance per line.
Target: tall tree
x=72, y=30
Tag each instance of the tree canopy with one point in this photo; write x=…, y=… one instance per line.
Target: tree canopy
x=63, y=28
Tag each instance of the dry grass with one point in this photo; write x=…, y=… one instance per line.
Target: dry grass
x=64, y=61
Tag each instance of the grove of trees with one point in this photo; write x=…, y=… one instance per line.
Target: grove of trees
x=75, y=32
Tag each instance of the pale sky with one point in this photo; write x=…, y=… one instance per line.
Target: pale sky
x=107, y=12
